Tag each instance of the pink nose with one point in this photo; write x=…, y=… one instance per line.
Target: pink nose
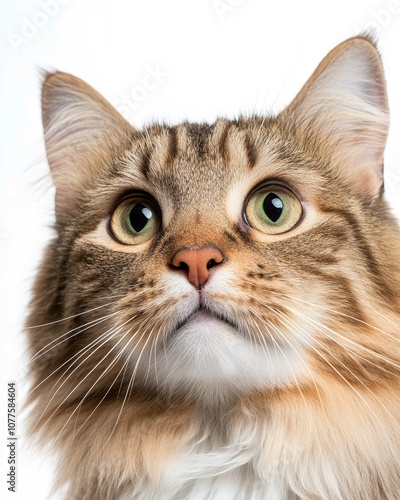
x=197, y=262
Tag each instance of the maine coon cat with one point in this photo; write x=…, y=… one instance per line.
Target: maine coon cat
x=218, y=314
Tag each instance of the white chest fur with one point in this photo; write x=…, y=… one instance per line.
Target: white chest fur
x=262, y=460
x=226, y=473
x=240, y=483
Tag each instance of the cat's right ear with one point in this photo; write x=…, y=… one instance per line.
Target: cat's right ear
x=83, y=133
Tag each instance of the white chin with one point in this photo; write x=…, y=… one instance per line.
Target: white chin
x=209, y=359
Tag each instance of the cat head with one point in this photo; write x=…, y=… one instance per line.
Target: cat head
x=210, y=260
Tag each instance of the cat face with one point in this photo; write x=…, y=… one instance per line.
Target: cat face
x=229, y=327
x=212, y=260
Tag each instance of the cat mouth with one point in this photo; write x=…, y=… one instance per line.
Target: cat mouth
x=203, y=315
x=206, y=314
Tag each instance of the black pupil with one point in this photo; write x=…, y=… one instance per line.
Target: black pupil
x=273, y=207
x=139, y=216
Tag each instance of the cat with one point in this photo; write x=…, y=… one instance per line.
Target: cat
x=218, y=314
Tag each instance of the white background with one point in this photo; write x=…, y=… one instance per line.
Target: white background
x=213, y=58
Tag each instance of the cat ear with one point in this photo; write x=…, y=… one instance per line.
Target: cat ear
x=345, y=104
x=83, y=133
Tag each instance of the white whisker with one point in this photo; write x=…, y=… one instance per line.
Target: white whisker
x=347, y=369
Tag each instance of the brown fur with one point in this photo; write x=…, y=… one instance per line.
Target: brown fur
x=335, y=278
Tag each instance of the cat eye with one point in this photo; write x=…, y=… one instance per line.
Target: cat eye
x=135, y=220
x=273, y=209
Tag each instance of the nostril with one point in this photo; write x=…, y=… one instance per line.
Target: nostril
x=183, y=266
x=211, y=263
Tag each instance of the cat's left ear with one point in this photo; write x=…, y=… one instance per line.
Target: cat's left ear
x=344, y=105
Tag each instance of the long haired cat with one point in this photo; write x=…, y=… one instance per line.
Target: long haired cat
x=218, y=315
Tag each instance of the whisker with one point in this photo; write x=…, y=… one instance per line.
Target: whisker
x=344, y=378
x=108, y=368
x=352, y=342
x=78, y=355
x=339, y=313
x=130, y=385
x=75, y=315
x=300, y=357
x=80, y=329
x=110, y=334
x=124, y=366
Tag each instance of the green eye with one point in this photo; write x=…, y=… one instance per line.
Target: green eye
x=273, y=209
x=135, y=221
